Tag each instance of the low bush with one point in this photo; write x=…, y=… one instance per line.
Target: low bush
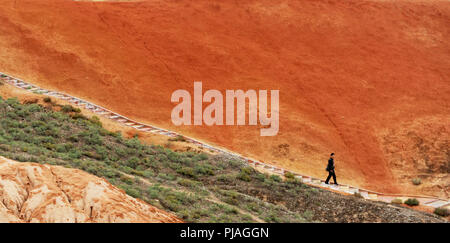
x=167, y=177
x=416, y=181
x=276, y=178
x=244, y=177
x=126, y=179
x=202, y=156
x=289, y=175
x=134, y=192
x=205, y=169
x=69, y=108
x=412, y=202
x=308, y=214
x=442, y=212
x=245, y=174
x=187, y=171
x=178, y=138
x=78, y=116
x=188, y=183
x=226, y=178
x=261, y=177
x=148, y=174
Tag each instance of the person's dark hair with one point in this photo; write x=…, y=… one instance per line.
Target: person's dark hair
x=332, y=154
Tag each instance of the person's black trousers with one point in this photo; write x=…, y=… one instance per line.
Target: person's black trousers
x=331, y=173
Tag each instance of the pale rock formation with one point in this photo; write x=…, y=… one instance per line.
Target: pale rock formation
x=31, y=192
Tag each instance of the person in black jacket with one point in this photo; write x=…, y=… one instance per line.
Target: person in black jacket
x=330, y=169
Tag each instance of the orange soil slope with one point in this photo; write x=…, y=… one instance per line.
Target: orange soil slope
x=368, y=80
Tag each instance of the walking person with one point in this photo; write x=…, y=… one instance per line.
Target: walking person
x=330, y=169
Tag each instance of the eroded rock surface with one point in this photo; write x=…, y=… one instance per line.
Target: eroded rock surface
x=31, y=192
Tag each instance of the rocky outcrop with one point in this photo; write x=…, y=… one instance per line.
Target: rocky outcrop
x=31, y=192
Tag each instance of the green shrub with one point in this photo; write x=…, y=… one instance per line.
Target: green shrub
x=412, y=202
x=96, y=121
x=175, y=201
x=202, y=156
x=296, y=181
x=138, y=173
x=178, y=138
x=69, y=108
x=272, y=217
x=193, y=214
x=416, y=181
x=254, y=207
x=78, y=116
x=49, y=146
x=227, y=178
x=133, y=192
x=148, y=174
x=230, y=210
x=261, y=177
x=231, y=197
x=75, y=154
x=245, y=173
x=276, y=178
x=308, y=214
x=110, y=173
x=167, y=177
x=244, y=177
x=47, y=100
x=204, y=169
x=187, y=171
x=442, y=212
x=155, y=191
x=247, y=170
x=126, y=179
x=188, y=183
x=133, y=162
x=289, y=175
x=133, y=143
